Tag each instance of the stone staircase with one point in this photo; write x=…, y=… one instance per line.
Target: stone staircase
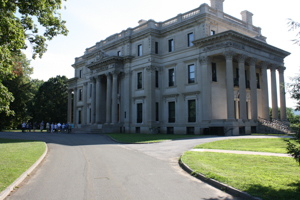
x=274, y=126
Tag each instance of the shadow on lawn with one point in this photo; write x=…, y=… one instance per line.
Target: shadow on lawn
x=269, y=193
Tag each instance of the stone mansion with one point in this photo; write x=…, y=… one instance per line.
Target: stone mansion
x=201, y=72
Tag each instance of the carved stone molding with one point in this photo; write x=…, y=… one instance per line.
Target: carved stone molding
x=151, y=68
x=264, y=64
x=241, y=58
x=281, y=69
x=92, y=79
x=204, y=60
x=229, y=54
x=196, y=93
x=139, y=97
x=252, y=61
x=171, y=96
x=107, y=74
x=85, y=83
x=128, y=72
x=273, y=67
x=101, y=55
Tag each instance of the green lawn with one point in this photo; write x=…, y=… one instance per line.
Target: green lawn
x=274, y=145
x=11, y=130
x=145, y=138
x=16, y=156
x=267, y=177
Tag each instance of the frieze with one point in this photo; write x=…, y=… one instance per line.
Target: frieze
x=102, y=68
x=222, y=45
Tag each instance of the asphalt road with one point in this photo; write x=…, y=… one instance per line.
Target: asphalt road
x=87, y=166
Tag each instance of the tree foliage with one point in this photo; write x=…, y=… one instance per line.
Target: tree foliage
x=51, y=101
x=293, y=25
x=19, y=20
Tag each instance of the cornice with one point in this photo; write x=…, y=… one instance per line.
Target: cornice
x=238, y=37
x=71, y=80
x=107, y=61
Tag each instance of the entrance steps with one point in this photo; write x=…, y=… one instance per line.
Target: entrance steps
x=274, y=126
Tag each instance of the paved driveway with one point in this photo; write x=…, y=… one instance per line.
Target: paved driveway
x=86, y=166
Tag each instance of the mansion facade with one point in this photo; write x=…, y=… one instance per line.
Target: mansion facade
x=201, y=72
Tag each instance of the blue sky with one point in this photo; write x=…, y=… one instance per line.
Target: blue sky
x=90, y=21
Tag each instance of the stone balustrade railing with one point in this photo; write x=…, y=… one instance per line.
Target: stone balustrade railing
x=204, y=8
x=275, y=124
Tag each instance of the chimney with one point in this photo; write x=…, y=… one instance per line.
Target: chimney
x=217, y=4
x=247, y=16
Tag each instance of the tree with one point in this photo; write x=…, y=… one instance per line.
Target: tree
x=20, y=87
x=292, y=27
x=17, y=25
x=51, y=101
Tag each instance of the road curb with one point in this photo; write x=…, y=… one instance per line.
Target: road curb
x=11, y=187
x=226, y=188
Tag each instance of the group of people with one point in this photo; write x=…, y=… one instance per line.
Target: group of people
x=50, y=128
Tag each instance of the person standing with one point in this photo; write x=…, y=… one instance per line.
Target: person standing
x=23, y=126
x=48, y=127
x=42, y=126
x=59, y=126
x=52, y=126
x=63, y=126
x=29, y=126
x=34, y=126
x=55, y=127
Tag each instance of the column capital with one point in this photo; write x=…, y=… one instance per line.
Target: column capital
x=128, y=72
x=281, y=69
x=107, y=74
x=151, y=68
x=92, y=79
x=204, y=60
x=273, y=67
x=85, y=84
x=241, y=58
x=252, y=61
x=98, y=78
x=264, y=64
x=116, y=72
x=229, y=54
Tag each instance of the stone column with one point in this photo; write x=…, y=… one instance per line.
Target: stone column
x=84, y=112
x=150, y=92
x=114, y=108
x=265, y=94
x=69, y=105
x=229, y=84
x=205, y=63
x=253, y=88
x=127, y=92
x=282, y=94
x=75, y=106
x=274, y=93
x=93, y=105
x=98, y=92
x=108, y=98
x=242, y=86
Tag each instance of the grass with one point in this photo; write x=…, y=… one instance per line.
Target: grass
x=267, y=177
x=147, y=138
x=16, y=156
x=270, y=134
x=273, y=145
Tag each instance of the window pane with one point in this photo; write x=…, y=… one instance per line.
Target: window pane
x=171, y=45
x=190, y=39
x=214, y=72
x=139, y=80
x=171, y=77
x=191, y=76
x=156, y=79
x=171, y=112
x=156, y=47
x=140, y=50
x=192, y=111
x=139, y=113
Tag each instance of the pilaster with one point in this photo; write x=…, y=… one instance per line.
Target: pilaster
x=75, y=106
x=150, y=92
x=114, y=108
x=93, y=81
x=69, y=105
x=84, y=112
x=108, y=98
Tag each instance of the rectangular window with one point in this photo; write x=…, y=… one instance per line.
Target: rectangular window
x=190, y=130
x=139, y=108
x=156, y=113
x=170, y=130
x=79, y=116
x=80, y=73
x=190, y=39
x=156, y=79
x=192, y=110
x=80, y=94
x=257, y=81
x=139, y=80
x=171, y=45
x=191, y=73
x=156, y=47
x=171, y=77
x=212, y=32
x=90, y=90
x=171, y=112
x=119, y=53
x=214, y=71
x=140, y=50
x=236, y=80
